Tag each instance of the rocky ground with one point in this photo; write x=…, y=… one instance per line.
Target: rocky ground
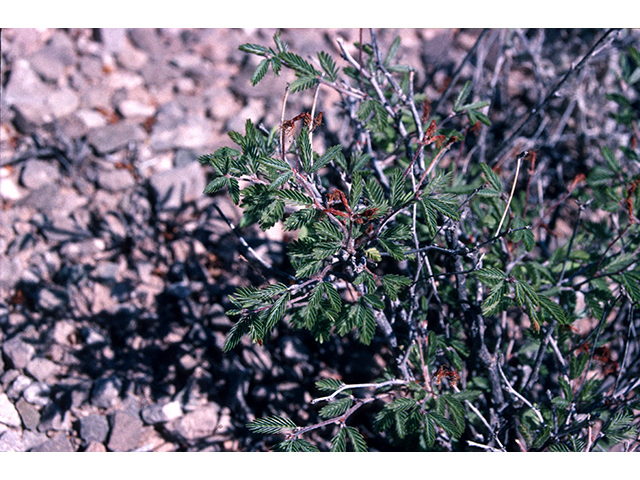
x=115, y=269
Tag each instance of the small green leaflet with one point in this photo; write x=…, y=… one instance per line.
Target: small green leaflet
x=299, y=64
x=490, y=276
x=324, y=159
x=393, y=284
x=336, y=408
x=294, y=197
x=328, y=65
x=553, y=309
x=277, y=311
x=260, y=71
x=492, y=177
x=306, y=153
x=254, y=49
x=271, y=425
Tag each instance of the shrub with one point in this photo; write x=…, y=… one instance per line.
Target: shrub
x=404, y=231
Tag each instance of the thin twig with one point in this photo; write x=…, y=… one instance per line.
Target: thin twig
x=255, y=254
x=513, y=189
x=282, y=129
x=551, y=95
x=516, y=394
x=375, y=386
x=453, y=81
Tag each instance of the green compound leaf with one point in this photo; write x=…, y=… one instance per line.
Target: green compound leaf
x=333, y=296
x=216, y=184
x=357, y=440
x=492, y=177
x=495, y=301
x=277, y=311
x=392, y=284
x=302, y=83
x=393, y=248
x=525, y=295
x=336, y=408
x=328, y=64
x=299, y=64
x=490, y=276
x=275, y=163
x=253, y=49
x=462, y=97
x=300, y=218
x=281, y=180
x=429, y=434
x=631, y=283
x=260, y=71
x=445, y=206
x=326, y=158
x=553, y=309
x=329, y=384
x=363, y=318
x=239, y=330
x=306, y=153
x=294, y=197
x=339, y=442
x=296, y=445
x=271, y=425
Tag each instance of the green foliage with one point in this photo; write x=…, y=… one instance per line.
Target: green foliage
x=386, y=247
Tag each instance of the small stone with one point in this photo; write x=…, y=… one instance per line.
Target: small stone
x=94, y=428
x=27, y=94
x=37, y=173
x=159, y=413
x=176, y=186
x=44, y=199
x=47, y=65
x=11, y=441
x=113, y=38
x=63, y=332
x=185, y=60
x=106, y=271
x=42, y=368
x=106, y=392
x=131, y=58
x=74, y=392
x=133, y=108
x=52, y=301
x=126, y=430
x=175, y=130
x=28, y=413
x=59, y=443
x=18, y=385
x=18, y=352
x=8, y=413
x=115, y=180
x=37, y=393
x=10, y=271
x=91, y=118
x=95, y=447
x=124, y=80
x=54, y=418
x=146, y=39
x=110, y=138
x=293, y=349
x=92, y=337
x=32, y=439
x=197, y=424
x=188, y=362
x=63, y=102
